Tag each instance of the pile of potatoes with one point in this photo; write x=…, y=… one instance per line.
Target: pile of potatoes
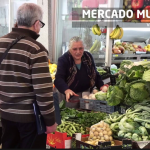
x=100, y=132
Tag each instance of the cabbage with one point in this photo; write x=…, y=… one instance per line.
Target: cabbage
x=137, y=91
x=146, y=75
x=115, y=95
x=100, y=96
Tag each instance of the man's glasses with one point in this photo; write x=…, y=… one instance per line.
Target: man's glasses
x=41, y=23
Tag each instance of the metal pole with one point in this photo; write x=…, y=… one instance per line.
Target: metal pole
x=109, y=42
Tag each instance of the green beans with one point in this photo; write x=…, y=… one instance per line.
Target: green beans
x=70, y=128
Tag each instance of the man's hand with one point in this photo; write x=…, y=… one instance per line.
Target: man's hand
x=51, y=129
x=69, y=93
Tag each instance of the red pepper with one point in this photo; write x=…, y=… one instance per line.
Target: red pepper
x=137, y=4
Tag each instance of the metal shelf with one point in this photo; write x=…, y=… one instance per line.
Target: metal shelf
x=118, y=58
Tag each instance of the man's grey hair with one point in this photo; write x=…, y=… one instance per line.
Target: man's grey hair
x=28, y=13
x=74, y=39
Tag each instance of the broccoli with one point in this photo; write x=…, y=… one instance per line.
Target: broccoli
x=147, y=125
x=143, y=131
x=128, y=136
x=145, y=138
x=136, y=137
x=121, y=133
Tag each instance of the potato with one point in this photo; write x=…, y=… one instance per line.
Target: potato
x=105, y=132
x=101, y=134
x=100, y=125
x=112, y=142
x=94, y=138
x=91, y=135
x=110, y=138
x=98, y=129
x=109, y=133
x=106, y=137
x=102, y=138
x=93, y=129
x=96, y=143
x=104, y=128
x=107, y=129
x=105, y=124
x=96, y=133
x=102, y=141
x=92, y=142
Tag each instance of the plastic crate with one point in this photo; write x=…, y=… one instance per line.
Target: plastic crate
x=86, y=104
x=104, y=107
x=123, y=109
x=97, y=105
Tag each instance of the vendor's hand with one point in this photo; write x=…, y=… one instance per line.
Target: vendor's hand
x=104, y=88
x=69, y=93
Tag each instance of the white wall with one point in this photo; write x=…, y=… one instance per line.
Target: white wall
x=43, y=39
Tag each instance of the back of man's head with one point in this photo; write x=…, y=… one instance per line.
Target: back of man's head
x=28, y=13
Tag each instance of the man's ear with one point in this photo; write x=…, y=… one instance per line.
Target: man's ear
x=36, y=25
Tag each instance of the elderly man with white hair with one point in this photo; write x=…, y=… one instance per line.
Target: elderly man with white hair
x=24, y=78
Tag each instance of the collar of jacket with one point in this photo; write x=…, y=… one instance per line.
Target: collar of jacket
x=26, y=32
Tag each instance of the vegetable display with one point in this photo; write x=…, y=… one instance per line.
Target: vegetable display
x=100, y=132
x=134, y=124
x=132, y=86
x=101, y=71
x=86, y=119
x=115, y=95
x=101, y=95
x=71, y=128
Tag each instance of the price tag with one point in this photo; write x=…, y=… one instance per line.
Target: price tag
x=115, y=55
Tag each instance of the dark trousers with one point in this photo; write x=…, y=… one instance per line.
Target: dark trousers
x=21, y=135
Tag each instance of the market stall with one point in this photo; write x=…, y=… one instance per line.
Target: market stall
x=114, y=117
x=118, y=118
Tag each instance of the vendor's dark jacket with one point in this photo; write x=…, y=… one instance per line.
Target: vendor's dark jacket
x=82, y=80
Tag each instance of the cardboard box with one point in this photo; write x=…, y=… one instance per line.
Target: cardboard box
x=60, y=140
